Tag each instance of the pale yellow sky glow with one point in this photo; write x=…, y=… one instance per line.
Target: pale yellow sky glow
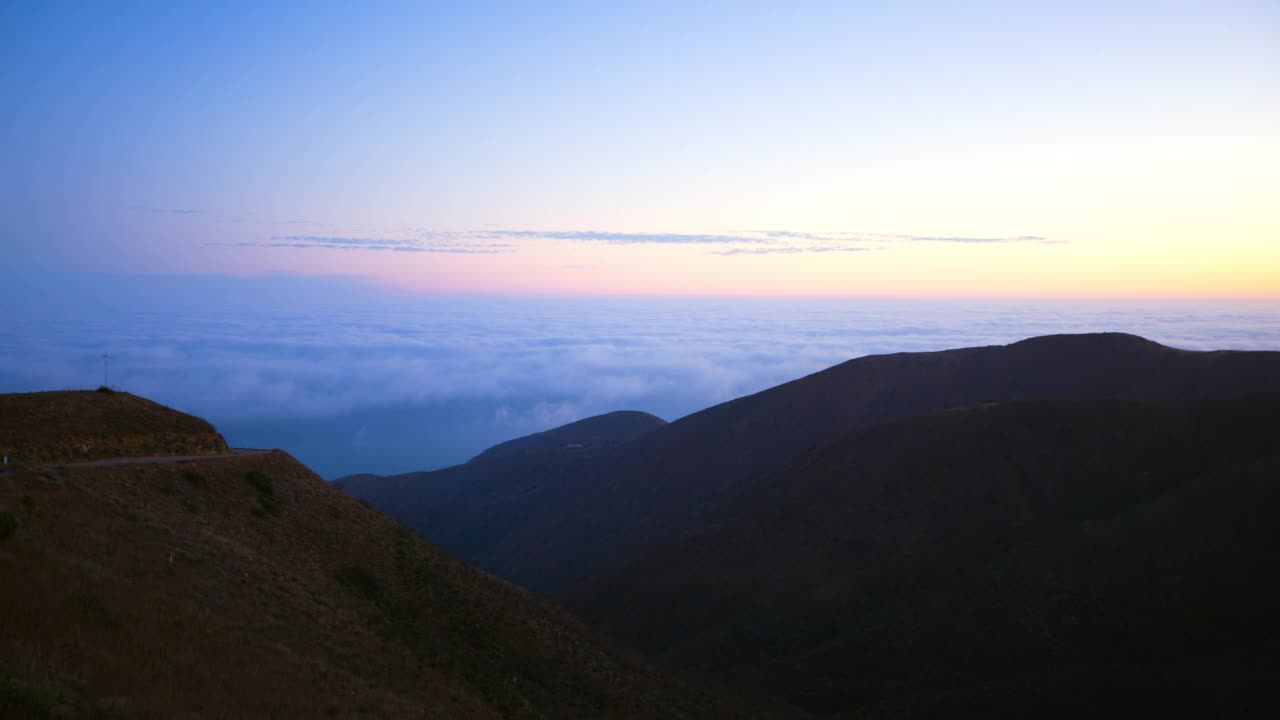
x=593, y=156
x=1177, y=217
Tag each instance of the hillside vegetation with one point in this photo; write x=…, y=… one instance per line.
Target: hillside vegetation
x=70, y=426
x=246, y=586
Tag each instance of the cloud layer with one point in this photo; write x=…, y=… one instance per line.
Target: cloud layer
x=618, y=238
x=376, y=382
x=754, y=242
x=788, y=250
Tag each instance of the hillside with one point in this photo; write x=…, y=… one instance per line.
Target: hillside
x=450, y=501
x=601, y=431
x=82, y=425
x=1024, y=559
x=552, y=525
x=246, y=586
x=469, y=509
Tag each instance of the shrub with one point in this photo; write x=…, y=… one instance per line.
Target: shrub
x=28, y=502
x=106, y=390
x=261, y=482
x=268, y=505
x=8, y=525
x=195, y=479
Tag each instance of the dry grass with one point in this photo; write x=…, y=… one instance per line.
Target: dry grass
x=82, y=425
x=155, y=590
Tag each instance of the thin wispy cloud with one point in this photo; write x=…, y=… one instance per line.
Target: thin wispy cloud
x=748, y=242
x=856, y=237
x=1030, y=239
x=796, y=235
x=758, y=237
x=620, y=238
x=790, y=250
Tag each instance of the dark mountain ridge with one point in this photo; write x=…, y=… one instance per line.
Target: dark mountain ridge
x=551, y=524
x=450, y=500
x=1027, y=545
x=600, y=431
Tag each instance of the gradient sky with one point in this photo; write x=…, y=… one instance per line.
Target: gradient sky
x=1064, y=149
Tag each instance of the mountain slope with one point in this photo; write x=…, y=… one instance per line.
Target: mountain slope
x=246, y=586
x=601, y=431
x=550, y=526
x=502, y=485
x=1068, y=557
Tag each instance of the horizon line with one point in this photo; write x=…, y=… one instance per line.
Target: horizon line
x=375, y=283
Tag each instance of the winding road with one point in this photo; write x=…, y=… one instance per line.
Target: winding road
x=235, y=452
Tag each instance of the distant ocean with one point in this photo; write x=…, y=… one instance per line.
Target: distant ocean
x=352, y=380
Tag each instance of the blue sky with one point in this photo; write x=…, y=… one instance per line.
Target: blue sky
x=178, y=137
x=386, y=235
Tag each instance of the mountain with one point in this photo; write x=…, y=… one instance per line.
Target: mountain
x=467, y=506
x=552, y=522
x=1020, y=559
x=243, y=585
x=601, y=431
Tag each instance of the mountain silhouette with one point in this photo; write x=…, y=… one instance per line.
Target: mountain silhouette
x=601, y=431
x=551, y=522
x=468, y=506
x=1026, y=558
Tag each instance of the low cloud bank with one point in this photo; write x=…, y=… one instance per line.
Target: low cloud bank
x=354, y=381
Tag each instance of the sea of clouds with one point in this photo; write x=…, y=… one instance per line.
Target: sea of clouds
x=351, y=378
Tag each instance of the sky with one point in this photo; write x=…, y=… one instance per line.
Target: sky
x=907, y=149
x=386, y=235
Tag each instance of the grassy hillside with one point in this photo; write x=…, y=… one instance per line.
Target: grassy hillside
x=243, y=587
x=71, y=426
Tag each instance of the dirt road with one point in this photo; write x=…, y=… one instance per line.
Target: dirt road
x=235, y=452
